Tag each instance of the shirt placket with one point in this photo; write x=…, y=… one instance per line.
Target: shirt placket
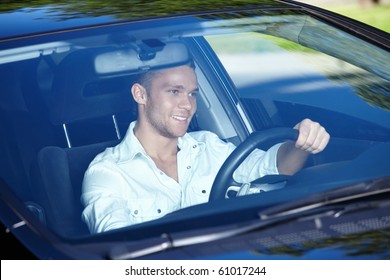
x=186, y=167
x=170, y=186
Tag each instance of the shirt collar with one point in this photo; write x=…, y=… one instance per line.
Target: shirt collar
x=130, y=147
x=187, y=141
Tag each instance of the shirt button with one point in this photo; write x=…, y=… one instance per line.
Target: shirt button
x=161, y=173
x=159, y=211
x=189, y=167
x=203, y=191
x=136, y=212
x=194, y=146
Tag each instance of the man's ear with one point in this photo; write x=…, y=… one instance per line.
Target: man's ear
x=139, y=93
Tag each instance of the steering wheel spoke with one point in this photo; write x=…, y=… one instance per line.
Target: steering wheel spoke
x=257, y=140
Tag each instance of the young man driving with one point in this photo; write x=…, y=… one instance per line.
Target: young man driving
x=159, y=167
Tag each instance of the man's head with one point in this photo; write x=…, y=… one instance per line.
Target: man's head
x=166, y=100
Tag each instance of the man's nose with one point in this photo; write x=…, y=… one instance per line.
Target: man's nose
x=186, y=102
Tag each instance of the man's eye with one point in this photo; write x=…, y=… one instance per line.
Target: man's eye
x=174, y=91
x=194, y=94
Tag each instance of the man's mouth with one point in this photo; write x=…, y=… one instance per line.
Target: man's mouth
x=180, y=118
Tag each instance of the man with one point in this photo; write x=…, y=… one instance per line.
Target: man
x=159, y=167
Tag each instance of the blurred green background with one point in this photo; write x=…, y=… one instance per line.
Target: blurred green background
x=372, y=12
x=377, y=16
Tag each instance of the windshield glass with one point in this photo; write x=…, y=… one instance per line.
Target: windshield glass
x=65, y=91
x=323, y=78
x=295, y=81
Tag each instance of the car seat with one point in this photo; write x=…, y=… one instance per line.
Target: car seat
x=78, y=94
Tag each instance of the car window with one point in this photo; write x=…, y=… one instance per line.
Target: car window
x=290, y=81
x=280, y=82
x=256, y=70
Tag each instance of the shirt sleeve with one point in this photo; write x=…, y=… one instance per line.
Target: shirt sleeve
x=258, y=164
x=102, y=197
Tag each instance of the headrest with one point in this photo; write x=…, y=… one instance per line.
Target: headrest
x=91, y=83
x=79, y=93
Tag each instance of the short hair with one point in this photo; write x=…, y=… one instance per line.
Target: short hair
x=145, y=78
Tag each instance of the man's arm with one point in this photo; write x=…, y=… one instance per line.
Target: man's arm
x=312, y=139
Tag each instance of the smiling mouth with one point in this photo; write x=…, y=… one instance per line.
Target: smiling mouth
x=180, y=118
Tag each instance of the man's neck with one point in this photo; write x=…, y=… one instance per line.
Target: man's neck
x=155, y=145
x=162, y=150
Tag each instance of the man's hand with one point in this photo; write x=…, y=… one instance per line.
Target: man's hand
x=312, y=137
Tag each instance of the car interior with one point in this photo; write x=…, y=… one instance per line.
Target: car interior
x=67, y=107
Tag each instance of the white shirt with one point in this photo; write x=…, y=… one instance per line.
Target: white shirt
x=123, y=186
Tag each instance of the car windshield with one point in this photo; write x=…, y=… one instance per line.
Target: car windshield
x=296, y=81
x=258, y=69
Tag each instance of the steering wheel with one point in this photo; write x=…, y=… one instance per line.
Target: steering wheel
x=258, y=139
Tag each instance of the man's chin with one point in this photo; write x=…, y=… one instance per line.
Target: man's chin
x=180, y=132
x=180, y=129
x=174, y=133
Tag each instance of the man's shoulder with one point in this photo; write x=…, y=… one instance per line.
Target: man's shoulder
x=207, y=137
x=203, y=135
x=106, y=156
x=211, y=142
x=124, y=150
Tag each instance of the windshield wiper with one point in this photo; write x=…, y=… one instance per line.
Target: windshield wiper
x=323, y=204
x=334, y=196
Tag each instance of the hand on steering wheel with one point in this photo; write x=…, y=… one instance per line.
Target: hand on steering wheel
x=258, y=139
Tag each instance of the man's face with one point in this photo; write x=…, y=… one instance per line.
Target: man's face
x=172, y=101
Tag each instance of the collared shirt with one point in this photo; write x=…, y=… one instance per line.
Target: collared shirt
x=123, y=185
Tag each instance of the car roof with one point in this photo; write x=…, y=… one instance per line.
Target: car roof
x=24, y=18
